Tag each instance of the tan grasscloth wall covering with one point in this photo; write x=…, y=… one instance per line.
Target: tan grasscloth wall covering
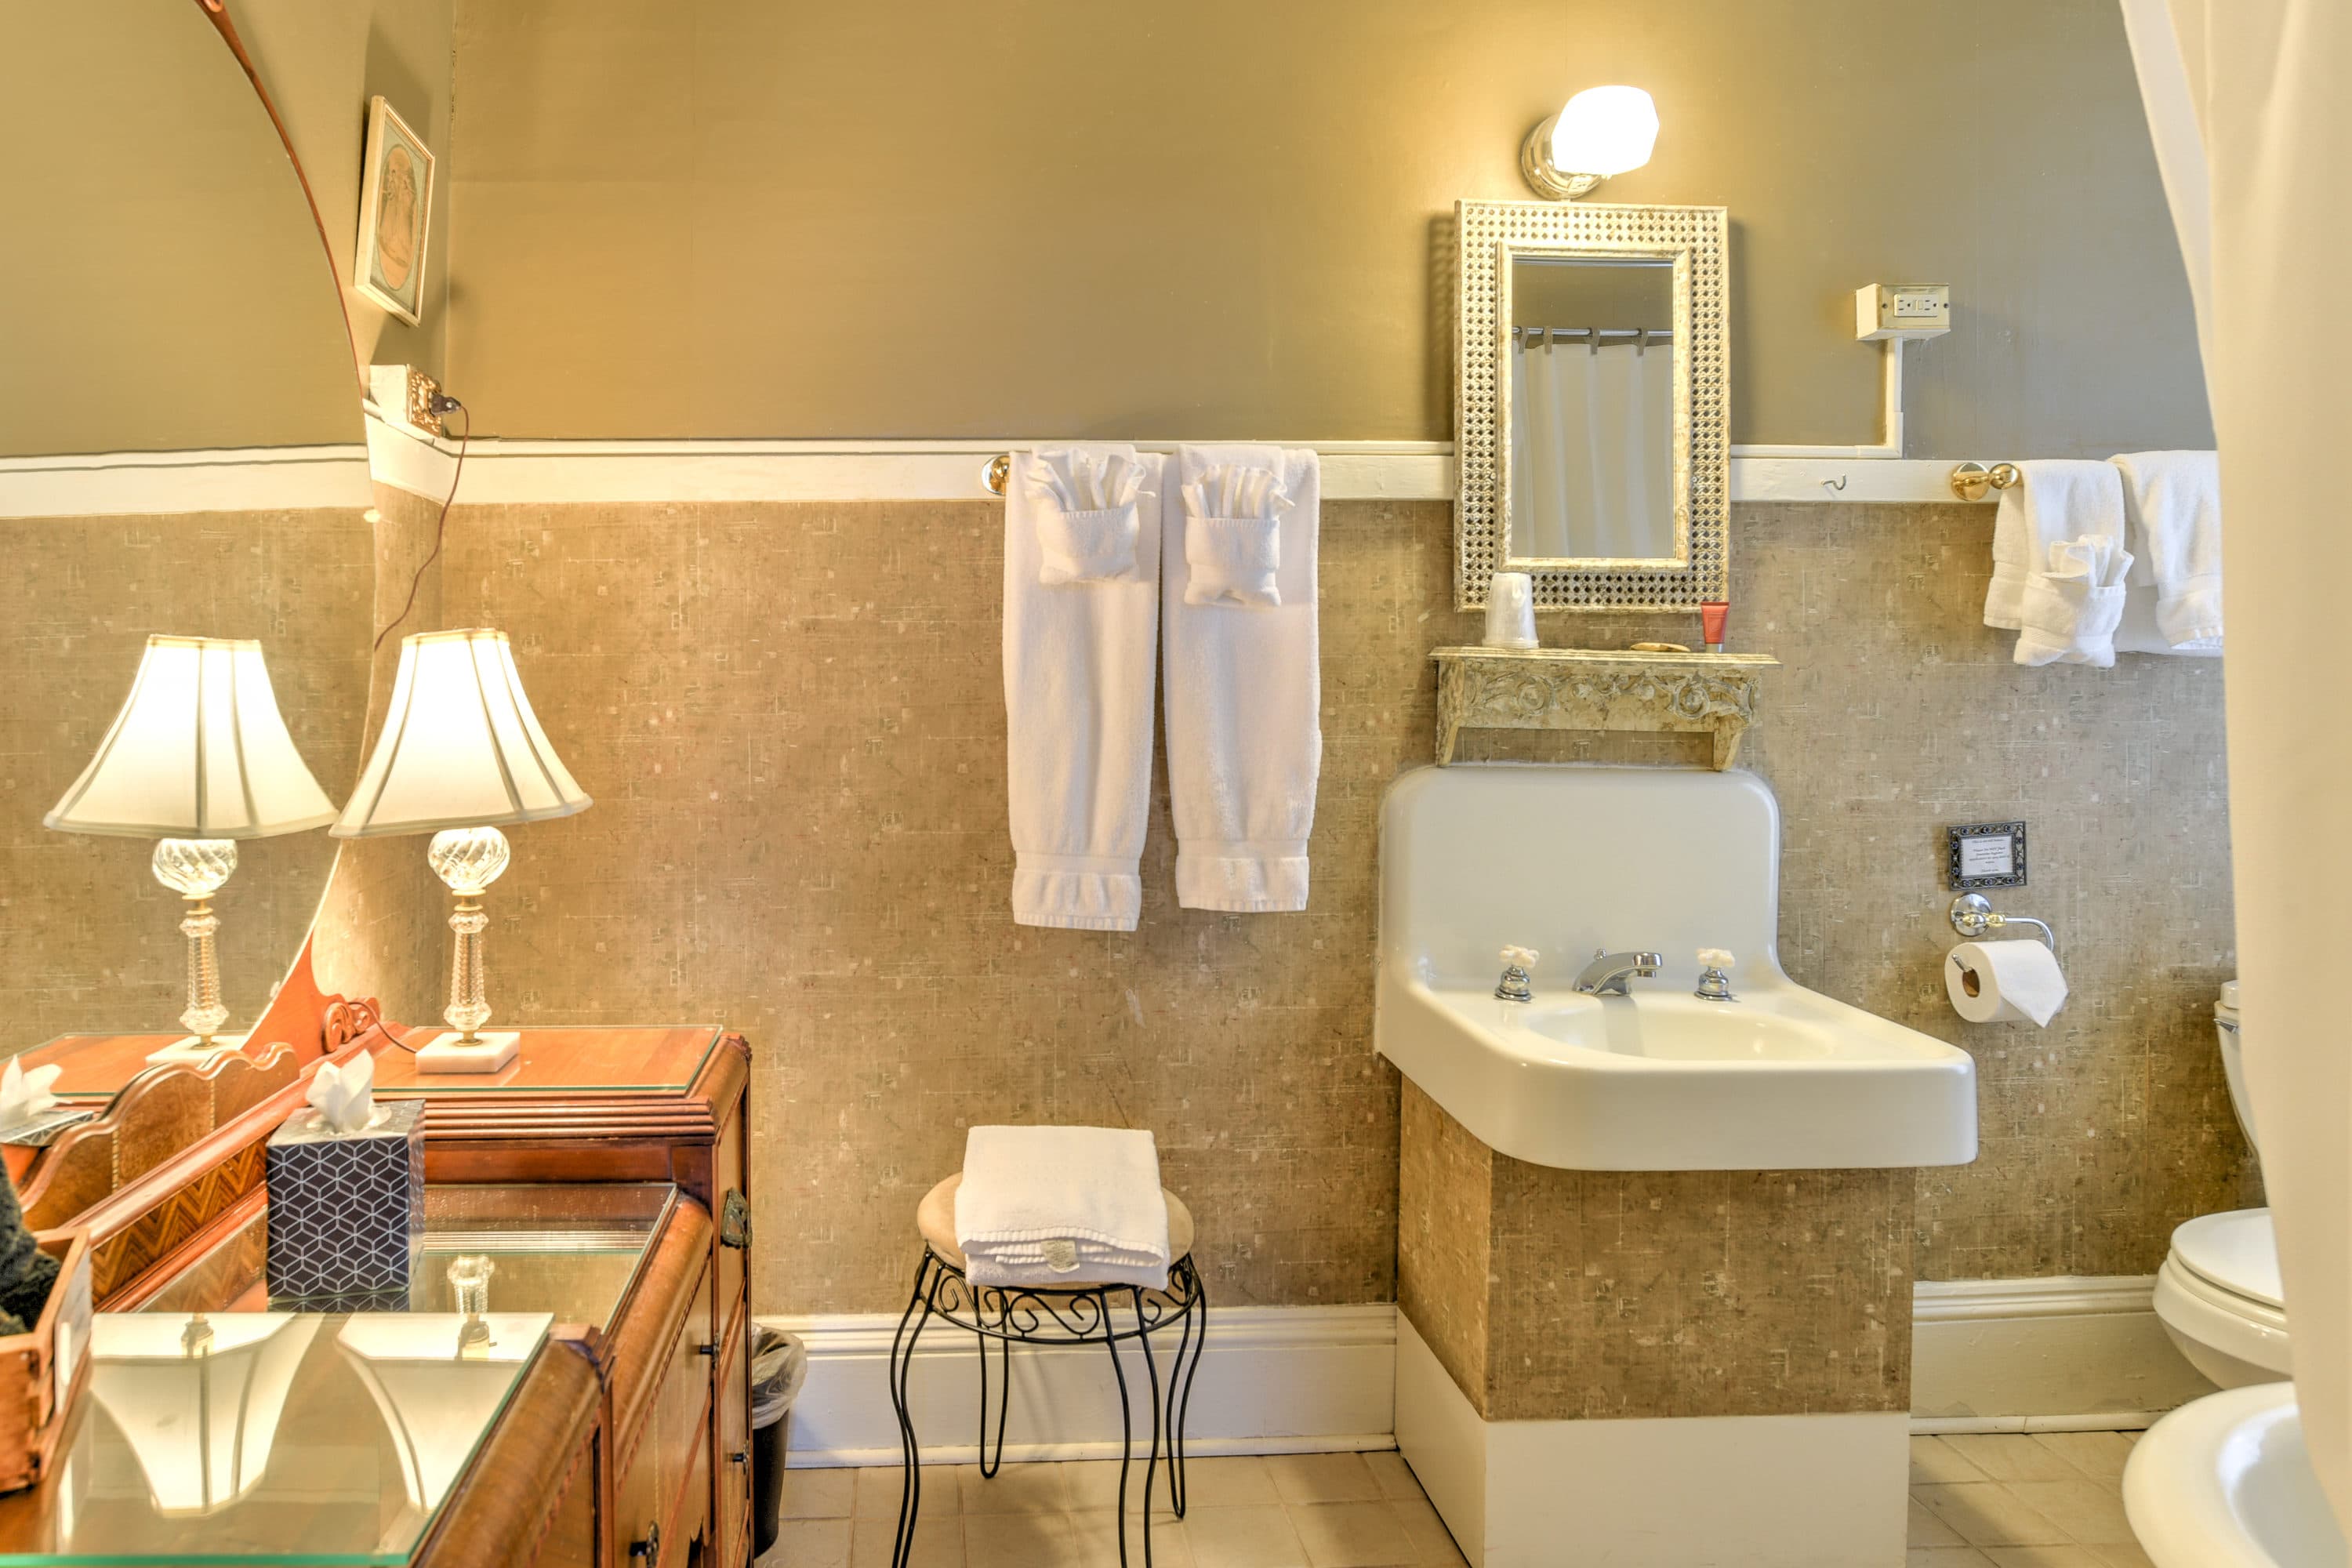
x=1550, y=1294
x=792, y=718
x=92, y=940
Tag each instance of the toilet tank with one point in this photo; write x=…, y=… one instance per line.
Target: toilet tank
x=2233, y=1059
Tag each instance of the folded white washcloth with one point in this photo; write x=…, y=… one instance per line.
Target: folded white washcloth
x=1085, y=502
x=1244, y=690
x=2056, y=501
x=1043, y=1205
x=2172, y=501
x=1078, y=668
x=2070, y=612
x=1232, y=541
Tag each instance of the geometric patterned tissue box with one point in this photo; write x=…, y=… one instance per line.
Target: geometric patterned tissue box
x=346, y=1210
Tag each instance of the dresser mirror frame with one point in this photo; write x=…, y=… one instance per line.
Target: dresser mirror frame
x=1490, y=236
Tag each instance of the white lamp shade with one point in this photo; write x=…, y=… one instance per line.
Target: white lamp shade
x=1604, y=130
x=202, y=1425
x=199, y=751
x=460, y=746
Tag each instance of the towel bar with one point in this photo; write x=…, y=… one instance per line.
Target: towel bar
x=1969, y=479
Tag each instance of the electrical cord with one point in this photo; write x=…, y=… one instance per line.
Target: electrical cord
x=442, y=404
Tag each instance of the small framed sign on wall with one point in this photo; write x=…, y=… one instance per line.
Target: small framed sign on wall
x=1986, y=855
x=395, y=212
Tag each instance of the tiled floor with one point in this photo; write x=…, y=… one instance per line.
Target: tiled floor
x=2048, y=1500
x=2054, y=1500
x=1296, y=1510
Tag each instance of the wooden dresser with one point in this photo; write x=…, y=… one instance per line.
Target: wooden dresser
x=608, y=1169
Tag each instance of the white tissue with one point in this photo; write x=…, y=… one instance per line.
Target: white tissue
x=345, y=1097
x=2001, y=982
x=24, y=1095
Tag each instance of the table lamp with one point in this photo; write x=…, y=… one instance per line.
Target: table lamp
x=198, y=758
x=460, y=752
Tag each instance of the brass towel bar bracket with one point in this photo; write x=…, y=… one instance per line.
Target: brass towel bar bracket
x=1969, y=481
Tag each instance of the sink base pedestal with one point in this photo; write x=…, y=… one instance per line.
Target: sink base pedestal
x=1803, y=1491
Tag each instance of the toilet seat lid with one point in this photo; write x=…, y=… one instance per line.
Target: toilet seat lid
x=2236, y=1251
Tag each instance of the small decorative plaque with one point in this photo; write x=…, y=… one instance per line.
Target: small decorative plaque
x=1986, y=855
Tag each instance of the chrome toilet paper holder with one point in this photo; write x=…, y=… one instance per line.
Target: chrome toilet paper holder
x=1973, y=915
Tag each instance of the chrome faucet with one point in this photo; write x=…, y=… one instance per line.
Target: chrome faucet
x=1607, y=974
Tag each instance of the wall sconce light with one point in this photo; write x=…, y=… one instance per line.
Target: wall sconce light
x=1602, y=130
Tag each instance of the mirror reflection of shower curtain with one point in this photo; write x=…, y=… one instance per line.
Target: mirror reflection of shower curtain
x=1593, y=450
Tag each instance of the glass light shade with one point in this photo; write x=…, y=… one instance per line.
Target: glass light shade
x=1604, y=130
x=460, y=746
x=199, y=751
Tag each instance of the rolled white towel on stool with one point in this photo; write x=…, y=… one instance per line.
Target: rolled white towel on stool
x=1043, y=1205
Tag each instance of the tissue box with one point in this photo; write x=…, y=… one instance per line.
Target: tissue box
x=346, y=1210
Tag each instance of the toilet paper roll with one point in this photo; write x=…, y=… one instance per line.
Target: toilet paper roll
x=2000, y=981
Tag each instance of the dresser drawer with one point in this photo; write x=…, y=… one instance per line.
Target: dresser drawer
x=735, y=1447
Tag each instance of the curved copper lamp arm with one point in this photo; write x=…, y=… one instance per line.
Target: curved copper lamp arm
x=216, y=13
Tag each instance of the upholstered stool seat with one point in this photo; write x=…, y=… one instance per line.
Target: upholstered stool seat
x=935, y=1217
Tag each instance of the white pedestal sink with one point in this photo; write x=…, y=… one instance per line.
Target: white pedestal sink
x=1568, y=860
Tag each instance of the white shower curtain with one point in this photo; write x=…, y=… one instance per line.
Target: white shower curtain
x=1591, y=450
x=2252, y=123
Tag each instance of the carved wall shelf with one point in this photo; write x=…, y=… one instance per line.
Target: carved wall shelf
x=1583, y=689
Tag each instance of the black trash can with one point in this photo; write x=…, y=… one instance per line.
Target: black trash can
x=779, y=1367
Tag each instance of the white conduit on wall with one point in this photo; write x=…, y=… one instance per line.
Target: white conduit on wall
x=2253, y=130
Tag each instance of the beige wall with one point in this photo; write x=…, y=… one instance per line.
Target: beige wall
x=721, y=219
x=92, y=939
x=792, y=718
x=324, y=63
x=164, y=288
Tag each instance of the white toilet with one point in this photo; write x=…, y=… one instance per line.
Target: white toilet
x=2217, y=1292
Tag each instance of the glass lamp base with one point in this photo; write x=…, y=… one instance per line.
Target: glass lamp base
x=189, y=1048
x=453, y=1052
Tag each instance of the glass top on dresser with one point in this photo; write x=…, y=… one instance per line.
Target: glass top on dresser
x=216, y=1429
x=555, y=1062
x=276, y=1437
x=568, y=1250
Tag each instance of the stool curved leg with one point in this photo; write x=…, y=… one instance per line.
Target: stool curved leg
x=1180, y=1403
x=1151, y=1466
x=989, y=1467
x=901, y=1366
x=1126, y=1439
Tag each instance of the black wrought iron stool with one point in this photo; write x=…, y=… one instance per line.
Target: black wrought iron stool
x=1076, y=1313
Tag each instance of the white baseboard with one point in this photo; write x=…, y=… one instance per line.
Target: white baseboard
x=1766, y=1491
x=2073, y=1353
x=1274, y=1380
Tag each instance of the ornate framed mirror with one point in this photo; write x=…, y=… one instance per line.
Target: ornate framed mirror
x=1591, y=407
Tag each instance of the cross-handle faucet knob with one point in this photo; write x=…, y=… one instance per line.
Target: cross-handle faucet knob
x=1714, y=982
x=1513, y=986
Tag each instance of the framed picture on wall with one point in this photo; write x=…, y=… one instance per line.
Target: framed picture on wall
x=395, y=210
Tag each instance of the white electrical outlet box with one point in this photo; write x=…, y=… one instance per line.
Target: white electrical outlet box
x=1910, y=311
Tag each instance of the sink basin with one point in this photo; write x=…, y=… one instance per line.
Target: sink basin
x=1569, y=859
